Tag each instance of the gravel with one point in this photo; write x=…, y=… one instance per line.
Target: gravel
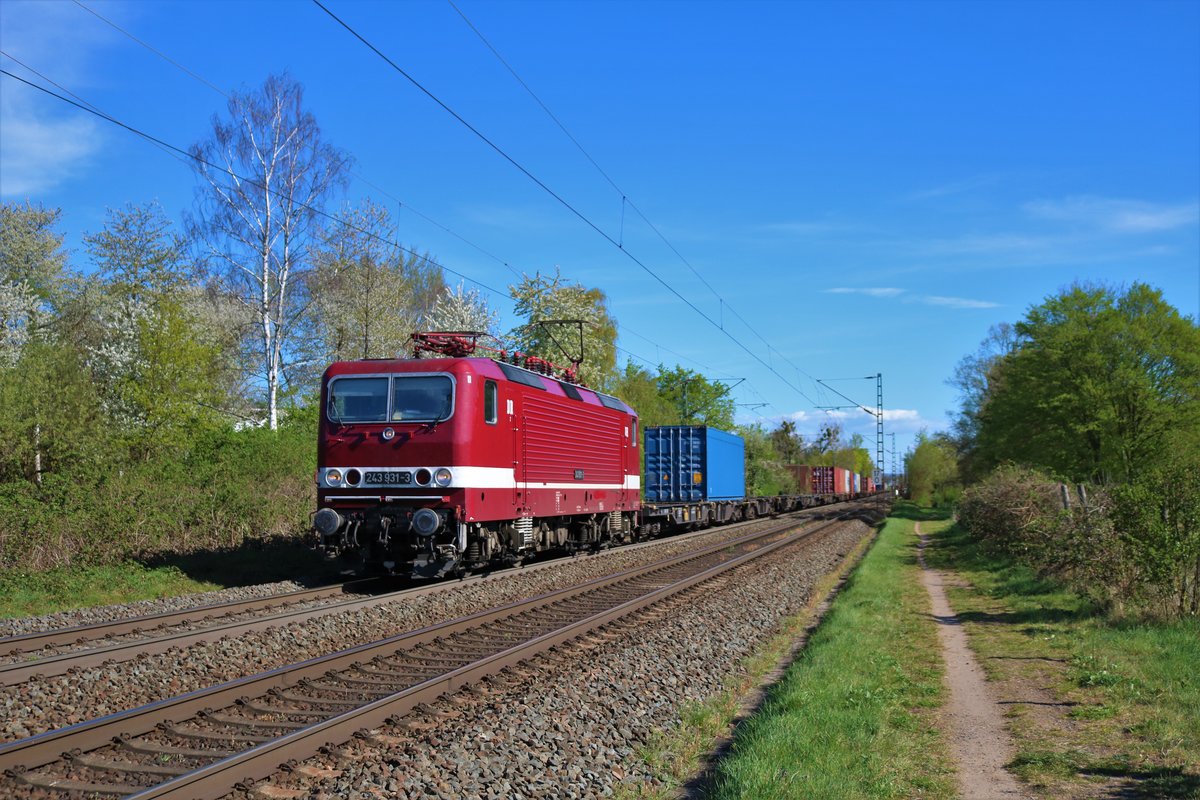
x=90, y=616
x=572, y=726
x=49, y=703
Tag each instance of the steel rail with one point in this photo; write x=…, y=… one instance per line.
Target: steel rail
x=17, y=672
x=263, y=759
x=29, y=643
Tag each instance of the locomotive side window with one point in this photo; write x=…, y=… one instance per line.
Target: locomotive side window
x=358, y=400
x=422, y=398
x=489, y=402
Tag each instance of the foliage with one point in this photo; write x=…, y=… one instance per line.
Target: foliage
x=766, y=475
x=1135, y=546
x=368, y=294
x=788, y=443
x=1157, y=517
x=1093, y=384
x=32, y=261
x=638, y=387
x=463, y=311
x=932, y=471
x=31, y=250
x=229, y=487
x=265, y=173
x=157, y=371
x=544, y=302
x=697, y=399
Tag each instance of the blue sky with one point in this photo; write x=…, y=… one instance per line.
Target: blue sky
x=862, y=187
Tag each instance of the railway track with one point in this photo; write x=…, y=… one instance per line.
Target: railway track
x=57, y=652
x=183, y=748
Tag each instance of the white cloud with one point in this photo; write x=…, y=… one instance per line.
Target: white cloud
x=40, y=151
x=869, y=291
x=905, y=296
x=1116, y=216
x=44, y=143
x=955, y=302
x=895, y=420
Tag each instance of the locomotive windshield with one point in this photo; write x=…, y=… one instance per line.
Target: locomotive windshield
x=399, y=398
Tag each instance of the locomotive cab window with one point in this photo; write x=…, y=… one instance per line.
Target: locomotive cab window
x=400, y=398
x=489, y=402
x=422, y=398
x=358, y=400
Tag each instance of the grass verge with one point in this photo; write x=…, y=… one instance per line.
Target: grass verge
x=1105, y=705
x=851, y=717
x=27, y=594
x=37, y=593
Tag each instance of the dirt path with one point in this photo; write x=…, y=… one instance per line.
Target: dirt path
x=978, y=742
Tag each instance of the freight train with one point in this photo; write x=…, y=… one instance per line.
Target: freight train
x=440, y=465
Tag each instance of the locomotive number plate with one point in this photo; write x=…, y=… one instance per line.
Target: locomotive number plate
x=388, y=478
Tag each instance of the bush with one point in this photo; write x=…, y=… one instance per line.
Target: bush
x=228, y=487
x=1130, y=546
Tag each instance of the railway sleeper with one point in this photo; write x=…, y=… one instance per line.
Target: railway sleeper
x=110, y=765
x=261, y=708
x=422, y=675
x=316, y=701
x=149, y=748
x=235, y=721
x=40, y=781
x=213, y=736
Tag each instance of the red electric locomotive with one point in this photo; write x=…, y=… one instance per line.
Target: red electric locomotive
x=440, y=465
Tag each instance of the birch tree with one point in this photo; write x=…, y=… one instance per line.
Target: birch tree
x=368, y=293
x=264, y=175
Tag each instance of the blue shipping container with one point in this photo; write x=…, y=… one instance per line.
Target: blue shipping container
x=689, y=463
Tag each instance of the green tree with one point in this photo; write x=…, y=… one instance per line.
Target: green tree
x=542, y=299
x=638, y=387
x=32, y=274
x=368, y=294
x=1096, y=384
x=156, y=369
x=697, y=400
x=766, y=475
x=788, y=442
x=932, y=469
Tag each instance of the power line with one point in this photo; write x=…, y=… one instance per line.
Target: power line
x=227, y=171
x=184, y=157
x=562, y=201
x=402, y=204
x=624, y=196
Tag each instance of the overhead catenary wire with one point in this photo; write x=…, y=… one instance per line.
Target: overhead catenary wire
x=227, y=171
x=358, y=176
x=559, y=198
x=186, y=157
x=196, y=76
x=625, y=201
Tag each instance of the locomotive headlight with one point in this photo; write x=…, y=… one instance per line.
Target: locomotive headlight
x=333, y=477
x=388, y=434
x=423, y=477
x=443, y=477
